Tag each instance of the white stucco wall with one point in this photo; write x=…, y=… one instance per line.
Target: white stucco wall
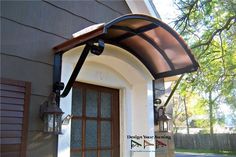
x=143, y=7
x=118, y=69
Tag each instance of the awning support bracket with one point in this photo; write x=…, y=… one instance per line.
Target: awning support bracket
x=173, y=90
x=76, y=70
x=96, y=49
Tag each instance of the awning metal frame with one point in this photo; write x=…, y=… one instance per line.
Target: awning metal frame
x=94, y=41
x=139, y=32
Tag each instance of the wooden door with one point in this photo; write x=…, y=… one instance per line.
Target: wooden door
x=95, y=122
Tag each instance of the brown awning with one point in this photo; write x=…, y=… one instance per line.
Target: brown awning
x=154, y=43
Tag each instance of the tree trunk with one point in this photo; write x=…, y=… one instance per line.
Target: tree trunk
x=174, y=117
x=186, y=114
x=211, y=113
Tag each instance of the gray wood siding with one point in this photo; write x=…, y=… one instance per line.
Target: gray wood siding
x=29, y=29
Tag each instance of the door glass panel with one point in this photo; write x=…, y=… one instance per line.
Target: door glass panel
x=91, y=153
x=91, y=134
x=105, y=133
x=77, y=102
x=76, y=133
x=105, y=153
x=75, y=154
x=106, y=105
x=95, y=114
x=91, y=103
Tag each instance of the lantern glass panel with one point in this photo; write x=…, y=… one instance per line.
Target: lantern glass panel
x=161, y=126
x=48, y=122
x=165, y=128
x=45, y=117
x=57, y=123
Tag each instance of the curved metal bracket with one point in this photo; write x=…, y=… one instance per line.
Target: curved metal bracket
x=98, y=49
x=76, y=70
x=95, y=48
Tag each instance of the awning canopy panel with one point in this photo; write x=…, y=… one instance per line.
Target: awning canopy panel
x=155, y=44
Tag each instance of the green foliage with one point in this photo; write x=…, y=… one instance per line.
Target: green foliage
x=209, y=26
x=200, y=123
x=200, y=107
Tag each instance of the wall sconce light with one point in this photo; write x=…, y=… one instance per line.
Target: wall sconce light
x=163, y=120
x=51, y=114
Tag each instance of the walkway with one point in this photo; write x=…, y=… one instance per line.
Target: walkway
x=199, y=155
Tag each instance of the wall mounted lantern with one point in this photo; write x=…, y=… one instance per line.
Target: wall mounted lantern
x=163, y=120
x=160, y=117
x=51, y=114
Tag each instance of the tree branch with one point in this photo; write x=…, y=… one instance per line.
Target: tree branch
x=226, y=26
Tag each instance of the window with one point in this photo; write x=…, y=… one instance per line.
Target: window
x=95, y=122
x=14, y=105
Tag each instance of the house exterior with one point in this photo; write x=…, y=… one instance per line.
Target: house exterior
x=111, y=101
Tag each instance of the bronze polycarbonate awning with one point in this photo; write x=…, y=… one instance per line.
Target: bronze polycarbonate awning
x=154, y=43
